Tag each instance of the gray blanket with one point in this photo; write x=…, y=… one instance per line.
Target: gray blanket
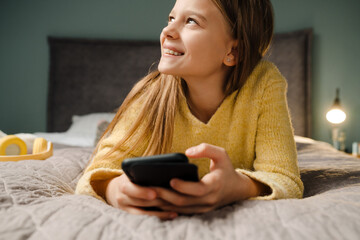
x=37, y=201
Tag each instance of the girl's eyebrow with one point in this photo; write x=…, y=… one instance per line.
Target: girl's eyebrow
x=190, y=12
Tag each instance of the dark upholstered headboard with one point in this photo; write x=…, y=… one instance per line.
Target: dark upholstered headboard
x=89, y=75
x=93, y=75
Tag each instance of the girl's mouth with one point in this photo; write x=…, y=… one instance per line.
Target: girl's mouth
x=172, y=52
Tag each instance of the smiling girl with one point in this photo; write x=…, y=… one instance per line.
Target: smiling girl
x=212, y=98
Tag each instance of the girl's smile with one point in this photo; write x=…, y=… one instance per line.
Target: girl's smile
x=172, y=51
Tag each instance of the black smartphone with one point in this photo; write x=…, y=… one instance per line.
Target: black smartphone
x=158, y=170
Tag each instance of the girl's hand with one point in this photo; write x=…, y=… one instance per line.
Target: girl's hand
x=122, y=193
x=223, y=185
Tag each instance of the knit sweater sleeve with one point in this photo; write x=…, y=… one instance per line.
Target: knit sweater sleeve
x=276, y=159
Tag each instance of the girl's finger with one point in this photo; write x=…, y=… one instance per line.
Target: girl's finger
x=164, y=215
x=217, y=154
x=196, y=189
x=175, y=198
x=135, y=191
x=181, y=200
x=136, y=202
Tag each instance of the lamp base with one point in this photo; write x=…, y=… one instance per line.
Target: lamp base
x=338, y=139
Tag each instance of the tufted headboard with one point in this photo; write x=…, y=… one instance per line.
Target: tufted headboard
x=93, y=75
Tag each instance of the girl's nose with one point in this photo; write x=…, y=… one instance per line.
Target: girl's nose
x=170, y=32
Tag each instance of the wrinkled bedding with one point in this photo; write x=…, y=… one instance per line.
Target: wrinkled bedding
x=37, y=201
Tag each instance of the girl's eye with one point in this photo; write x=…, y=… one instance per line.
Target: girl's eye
x=191, y=21
x=171, y=19
x=188, y=21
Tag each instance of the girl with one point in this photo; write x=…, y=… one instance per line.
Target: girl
x=212, y=98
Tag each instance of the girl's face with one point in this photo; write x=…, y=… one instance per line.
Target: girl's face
x=197, y=41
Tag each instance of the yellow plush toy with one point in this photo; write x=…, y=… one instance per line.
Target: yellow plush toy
x=12, y=148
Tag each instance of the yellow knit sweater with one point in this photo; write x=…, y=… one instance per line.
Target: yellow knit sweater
x=254, y=127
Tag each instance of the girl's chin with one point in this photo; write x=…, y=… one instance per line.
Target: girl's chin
x=167, y=70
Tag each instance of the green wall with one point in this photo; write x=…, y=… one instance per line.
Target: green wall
x=24, y=26
x=336, y=62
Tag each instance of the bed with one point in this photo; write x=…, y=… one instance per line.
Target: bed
x=37, y=198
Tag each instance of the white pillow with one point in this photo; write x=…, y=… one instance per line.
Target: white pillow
x=300, y=139
x=86, y=125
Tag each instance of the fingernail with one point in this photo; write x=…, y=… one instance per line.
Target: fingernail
x=172, y=182
x=190, y=150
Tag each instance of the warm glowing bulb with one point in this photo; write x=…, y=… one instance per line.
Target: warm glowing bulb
x=336, y=116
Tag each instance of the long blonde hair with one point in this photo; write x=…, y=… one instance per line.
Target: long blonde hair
x=251, y=22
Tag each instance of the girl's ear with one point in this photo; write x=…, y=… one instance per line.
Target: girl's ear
x=231, y=57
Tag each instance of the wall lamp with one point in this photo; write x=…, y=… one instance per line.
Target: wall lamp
x=336, y=116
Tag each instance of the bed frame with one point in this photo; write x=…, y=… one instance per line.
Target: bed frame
x=93, y=75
